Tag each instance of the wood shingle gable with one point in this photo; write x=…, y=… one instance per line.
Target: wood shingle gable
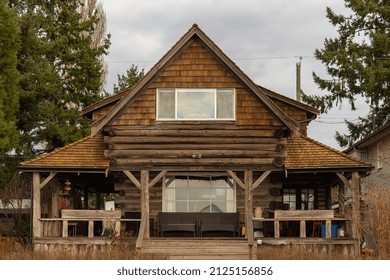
x=194, y=34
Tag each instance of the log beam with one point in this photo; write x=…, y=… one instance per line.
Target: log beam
x=47, y=180
x=133, y=179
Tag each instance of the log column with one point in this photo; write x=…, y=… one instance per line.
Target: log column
x=36, y=203
x=145, y=200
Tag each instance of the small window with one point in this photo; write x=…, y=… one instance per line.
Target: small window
x=195, y=104
x=379, y=155
x=299, y=198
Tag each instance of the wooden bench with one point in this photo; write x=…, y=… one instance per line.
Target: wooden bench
x=110, y=219
x=177, y=221
x=228, y=222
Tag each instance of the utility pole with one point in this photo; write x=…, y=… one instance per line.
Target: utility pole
x=298, y=79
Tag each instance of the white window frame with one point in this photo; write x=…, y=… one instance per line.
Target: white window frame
x=379, y=155
x=215, y=91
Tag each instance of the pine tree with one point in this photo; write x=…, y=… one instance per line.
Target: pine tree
x=61, y=72
x=358, y=61
x=132, y=76
x=9, y=46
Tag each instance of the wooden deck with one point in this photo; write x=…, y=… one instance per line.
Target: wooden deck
x=175, y=248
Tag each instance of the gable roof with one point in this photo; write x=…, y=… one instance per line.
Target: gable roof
x=306, y=153
x=194, y=32
x=378, y=134
x=84, y=154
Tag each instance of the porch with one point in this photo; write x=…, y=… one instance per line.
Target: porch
x=57, y=234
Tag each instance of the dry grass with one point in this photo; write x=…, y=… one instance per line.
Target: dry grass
x=376, y=220
x=293, y=253
x=115, y=253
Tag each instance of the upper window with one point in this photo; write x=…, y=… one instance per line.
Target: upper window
x=195, y=104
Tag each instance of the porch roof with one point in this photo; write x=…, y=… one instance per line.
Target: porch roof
x=306, y=153
x=86, y=153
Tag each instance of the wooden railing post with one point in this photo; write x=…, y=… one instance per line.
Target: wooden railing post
x=328, y=226
x=90, y=229
x=276, y=229
x=141, y=232
x=302, y=228
x=65, y=228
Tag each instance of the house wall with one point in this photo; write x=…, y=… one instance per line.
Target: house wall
x=378, y=177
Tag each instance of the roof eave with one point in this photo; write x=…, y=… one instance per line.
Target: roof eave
x=32, y=169
x=324, y=169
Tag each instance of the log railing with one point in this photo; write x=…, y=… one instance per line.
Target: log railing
x=302, y=216
x=59, y=227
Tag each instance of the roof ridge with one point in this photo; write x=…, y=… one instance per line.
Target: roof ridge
x=334, y=150
x=56, y=150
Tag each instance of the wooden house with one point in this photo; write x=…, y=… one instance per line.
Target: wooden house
x=196, y=150
x=374, y=148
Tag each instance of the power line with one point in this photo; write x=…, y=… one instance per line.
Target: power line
x=238, y=59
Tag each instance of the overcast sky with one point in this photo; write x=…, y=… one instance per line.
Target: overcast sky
x=265, y=38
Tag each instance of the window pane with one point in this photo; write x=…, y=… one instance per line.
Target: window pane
x=196, y=194
x=166, y=104
x=181, y=194
x=225, y=104
x=198, y=206
x=219, y=206
x=181, y=206
x=195, y=104
x=307, y=199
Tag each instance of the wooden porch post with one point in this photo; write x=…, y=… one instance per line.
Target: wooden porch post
x=36, y=202
x=145, y=200
x=356, y=220
x=248, y=179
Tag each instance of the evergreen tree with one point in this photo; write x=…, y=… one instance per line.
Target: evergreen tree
x=9, y=46
x=61, y=72
x=358, y=61
x=132, y=76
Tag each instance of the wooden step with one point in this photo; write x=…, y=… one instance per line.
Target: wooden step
x=198, y=249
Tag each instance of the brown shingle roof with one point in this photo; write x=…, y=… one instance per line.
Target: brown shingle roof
x=88, y=153
x=306, y=153
x=85, y=153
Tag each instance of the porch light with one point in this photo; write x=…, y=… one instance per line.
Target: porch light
x=67, y=185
